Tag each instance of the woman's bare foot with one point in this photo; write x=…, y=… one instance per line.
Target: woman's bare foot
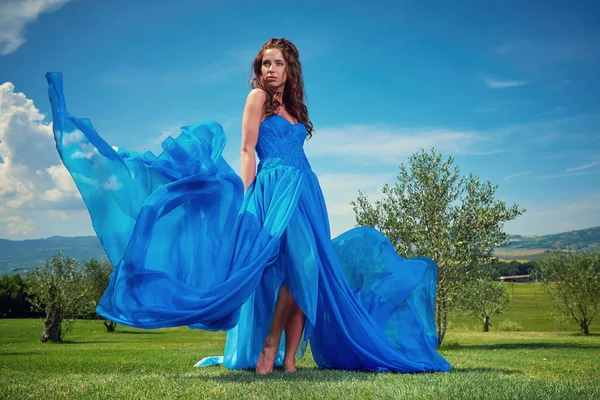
x=267, y=358
x=289, y=366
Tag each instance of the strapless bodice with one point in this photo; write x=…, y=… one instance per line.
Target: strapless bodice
x=280, y=143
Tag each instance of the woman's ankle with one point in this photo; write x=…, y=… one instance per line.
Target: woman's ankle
x=289, y=365
x=271, y=341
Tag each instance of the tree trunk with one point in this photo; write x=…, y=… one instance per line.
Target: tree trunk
x=585, y=327
x=444, y=324
x=110, y=325
x=438, y=320
x=441, y=321
x=52, y=325
x=486, y=323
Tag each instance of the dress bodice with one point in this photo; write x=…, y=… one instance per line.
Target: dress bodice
x=280, y=143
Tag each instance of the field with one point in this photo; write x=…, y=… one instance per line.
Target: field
x=548, y=360
x=530, y=308
x=521, y=255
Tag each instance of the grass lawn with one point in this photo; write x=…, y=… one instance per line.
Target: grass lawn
x=530, y=308
x=133, y=363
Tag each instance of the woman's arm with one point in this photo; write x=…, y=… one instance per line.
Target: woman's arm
x=253, y=112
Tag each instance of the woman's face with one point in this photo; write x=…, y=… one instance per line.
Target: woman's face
x=274, y=68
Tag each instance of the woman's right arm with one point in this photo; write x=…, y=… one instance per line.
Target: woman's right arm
x=253, y=112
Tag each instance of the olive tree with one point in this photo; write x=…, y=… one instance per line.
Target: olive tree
x=483, y=299
x=572, y=279
x=97, y=274
x=59, y=290
x=433, y=211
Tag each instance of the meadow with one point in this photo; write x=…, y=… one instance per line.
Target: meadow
x=527, y=354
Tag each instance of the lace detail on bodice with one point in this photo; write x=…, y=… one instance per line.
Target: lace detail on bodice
x=281, y=143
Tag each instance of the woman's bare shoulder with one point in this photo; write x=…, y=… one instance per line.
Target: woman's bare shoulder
x=257, y=95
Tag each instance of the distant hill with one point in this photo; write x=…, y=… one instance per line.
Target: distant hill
x=21, y=255
x=530, y=247
x=583, y=239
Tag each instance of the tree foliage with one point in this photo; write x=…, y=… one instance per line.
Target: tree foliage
x=509, y=268
x=573, y=280
x=97, y=275
x=432, y=211
x=59, y=290
x=14, y=301
x=484, y=299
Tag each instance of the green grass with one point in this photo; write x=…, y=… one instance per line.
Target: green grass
x=131, y=363
x=530, y=307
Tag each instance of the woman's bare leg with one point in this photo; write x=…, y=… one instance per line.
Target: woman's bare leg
x=293, y=333
x=284, y=307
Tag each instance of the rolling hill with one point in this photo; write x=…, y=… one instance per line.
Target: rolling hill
x=22, y=255
x=17, y=256
x=528, y=247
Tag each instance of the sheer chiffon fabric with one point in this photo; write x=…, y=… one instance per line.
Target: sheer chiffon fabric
x=189, y=248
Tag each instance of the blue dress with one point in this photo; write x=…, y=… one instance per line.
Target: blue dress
x=189, y=248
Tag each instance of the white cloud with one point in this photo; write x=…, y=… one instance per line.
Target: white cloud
x=556, y=111
x=340, y=189
x=554, y=217
x=112, y=183
x=53, y=195
x=172, y=131
x=58, y=214
x=17, y=226
x=15, y=14
x=580, y=170
x=61, y=178
x=534, y=54
x=546, y=138
x=81, y=154
x=154, y=144
x=566, y=174
x=234, y=62
x=561, y=84
x=65, y=186
x=503, y=84
x=585, y=166
x=25, y=147
x=509, y=178
x=387, y=145
x=32, y=176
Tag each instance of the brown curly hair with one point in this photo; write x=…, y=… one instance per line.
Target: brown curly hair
x=293, y=93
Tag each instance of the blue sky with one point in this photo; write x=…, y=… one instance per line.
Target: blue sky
x=510, y=89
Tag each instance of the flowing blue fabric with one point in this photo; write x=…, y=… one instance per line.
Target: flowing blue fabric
x=189, y=248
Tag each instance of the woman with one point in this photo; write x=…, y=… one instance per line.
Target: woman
x=193, y=244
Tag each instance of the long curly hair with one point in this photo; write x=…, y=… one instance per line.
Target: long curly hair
x=293, y=93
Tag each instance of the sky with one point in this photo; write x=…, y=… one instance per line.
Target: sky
x=508, y=89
